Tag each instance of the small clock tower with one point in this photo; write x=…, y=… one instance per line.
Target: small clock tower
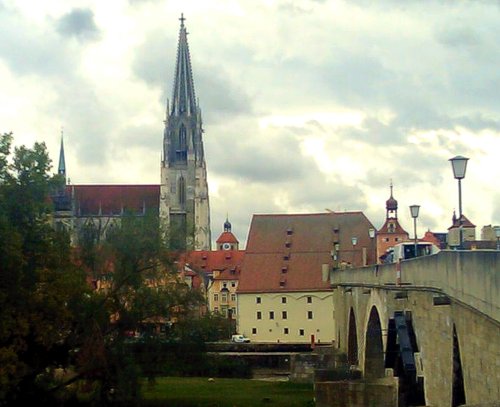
x=391, y=233
x=227, y=241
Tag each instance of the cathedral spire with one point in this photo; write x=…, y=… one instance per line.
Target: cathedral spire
x=61, y=169
x=183, y=98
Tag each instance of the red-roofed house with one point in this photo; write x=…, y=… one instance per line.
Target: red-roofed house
x=220, y=269
x=284, y=290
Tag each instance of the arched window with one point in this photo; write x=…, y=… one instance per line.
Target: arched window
x=182, y=138
x=181, y=151
x=182, y=191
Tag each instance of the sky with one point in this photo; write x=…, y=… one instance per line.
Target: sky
x=307, y=105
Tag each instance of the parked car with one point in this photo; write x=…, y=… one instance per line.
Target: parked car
x=239, y=339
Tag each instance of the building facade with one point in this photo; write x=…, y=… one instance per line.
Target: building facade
x=284, y=292
x=184, y=203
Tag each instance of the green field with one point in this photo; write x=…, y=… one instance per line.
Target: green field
x=199, y=392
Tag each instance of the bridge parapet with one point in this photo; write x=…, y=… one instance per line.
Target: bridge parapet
x=469, y=277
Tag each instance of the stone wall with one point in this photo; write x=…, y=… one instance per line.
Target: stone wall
x=470, y=279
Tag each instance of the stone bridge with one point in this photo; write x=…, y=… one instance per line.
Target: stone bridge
x=427, y=330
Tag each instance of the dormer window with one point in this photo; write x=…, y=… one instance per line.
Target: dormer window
x=289, y=231
x=288, y=244
x=284, y=269
x=286, y=257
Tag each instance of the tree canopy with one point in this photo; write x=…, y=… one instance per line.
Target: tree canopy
x=57, y=330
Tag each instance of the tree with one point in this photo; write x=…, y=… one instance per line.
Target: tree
x=39, y=286
x=139, y=288
x=56, y=332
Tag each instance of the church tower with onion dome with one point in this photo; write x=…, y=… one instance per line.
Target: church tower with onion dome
x=184, y=203
x=391, y=233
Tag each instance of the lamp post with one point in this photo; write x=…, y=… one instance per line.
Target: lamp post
x=459, y=166
x=354, y=241
x=371, y=233
x=414, y=214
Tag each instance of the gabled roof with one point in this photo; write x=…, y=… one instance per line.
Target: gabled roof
x=287, y=252
x=227, y=237
x=397, y=230
x=465, y=223
x=208, y=261
x=113, y=199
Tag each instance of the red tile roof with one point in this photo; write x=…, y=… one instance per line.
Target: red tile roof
x=308, y=240
x=113, y=199
x=398, y=230
x=208, y=261
x=227, y=237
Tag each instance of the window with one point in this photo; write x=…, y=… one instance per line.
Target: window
x=288, y=244
x=309, y=315
x=233, y=311
x=233, y=283
x=271, y=314
x=259, y=315
x=233, y=297
x=284, y=269
x=254, y=331
x=224, y=285
x=286, y=257
x=283, y=300
x=285, y=331
x=309, y=300
x=396, y=239
x=301, y=332
x=386, y=239
x=258, y=300
x=182, y=191
x=216, y=297
x=224, y=297
x=284, y=314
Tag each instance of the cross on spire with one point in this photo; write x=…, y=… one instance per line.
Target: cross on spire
x=182, y=19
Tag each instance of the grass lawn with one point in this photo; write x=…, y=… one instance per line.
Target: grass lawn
x=199, y=392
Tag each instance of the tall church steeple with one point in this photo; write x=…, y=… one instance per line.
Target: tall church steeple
x=61, y=168
x=183, y=98
x=184, y=203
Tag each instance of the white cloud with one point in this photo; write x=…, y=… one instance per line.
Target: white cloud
x=307, y=104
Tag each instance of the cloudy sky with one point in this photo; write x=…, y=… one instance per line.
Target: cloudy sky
x=307, y=104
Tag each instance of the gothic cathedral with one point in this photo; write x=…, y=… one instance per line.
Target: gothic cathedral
x=181, y=200
x=184, y=204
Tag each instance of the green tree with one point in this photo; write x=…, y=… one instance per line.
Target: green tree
x=50, y=318
x=39, y=286
x=140, y=291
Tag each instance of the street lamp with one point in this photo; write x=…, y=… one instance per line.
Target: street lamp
x=459, y=166
x=414, y=214
x=354, y=241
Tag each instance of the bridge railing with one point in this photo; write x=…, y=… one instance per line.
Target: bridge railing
x=471, y=277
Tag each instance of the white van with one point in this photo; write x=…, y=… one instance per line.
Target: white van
x=239, y=339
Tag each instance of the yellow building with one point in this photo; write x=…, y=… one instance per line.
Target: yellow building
x=284, y=292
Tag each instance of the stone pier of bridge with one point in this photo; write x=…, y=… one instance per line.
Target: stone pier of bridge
x=425, y=331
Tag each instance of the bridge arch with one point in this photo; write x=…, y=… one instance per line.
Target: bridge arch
x=352, y=340
x=458, y=390
x=374, y=350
